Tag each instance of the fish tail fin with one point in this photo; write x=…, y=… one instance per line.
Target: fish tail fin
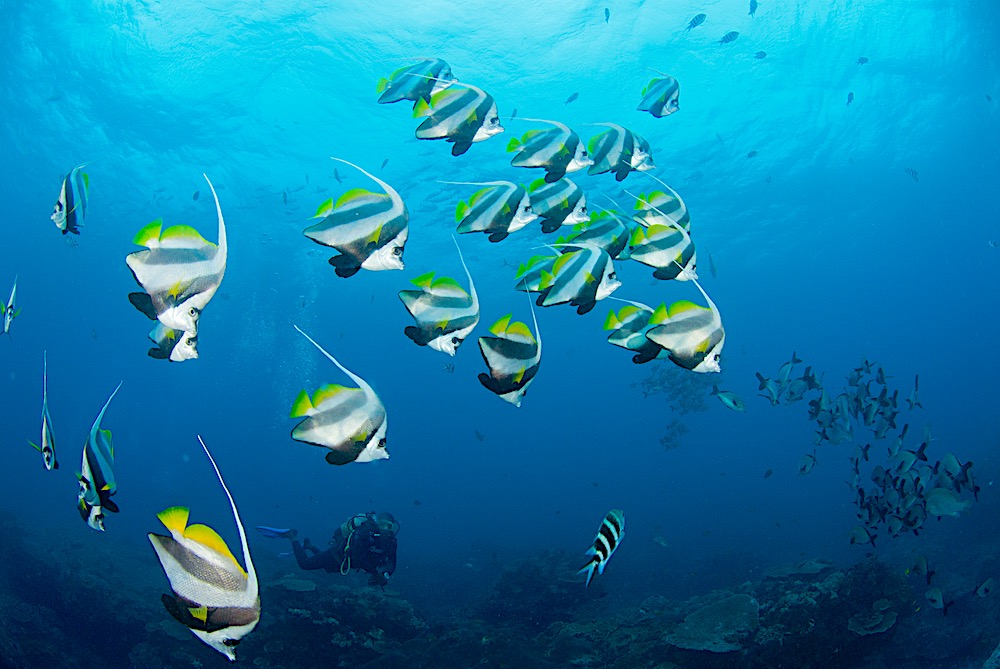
x=588, y=569
x=715, y=391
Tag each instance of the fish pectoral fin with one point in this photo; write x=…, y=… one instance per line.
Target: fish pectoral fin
x=144, y=303
x=346, y=266
x=460, y=147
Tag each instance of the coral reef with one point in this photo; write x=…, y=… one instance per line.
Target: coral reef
x=720, y=627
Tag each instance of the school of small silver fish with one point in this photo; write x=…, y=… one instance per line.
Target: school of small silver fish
x=179, y=272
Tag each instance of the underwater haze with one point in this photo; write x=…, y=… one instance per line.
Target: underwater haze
x=839, y=161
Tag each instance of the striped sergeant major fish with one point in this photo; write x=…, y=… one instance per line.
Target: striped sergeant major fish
x=9, y=311
x=71, y=207
x=559, y=203
x=498, y=209
x=582, y=278
x=369, y=230
x=210, y=593
x=179, y=270
x=692, y=334
x=605, y=543
x=461, y=114
x=47, y=446
x=444, y=312
x=513, y=357
x=97, y=473
x=557, y=150
x=660, y=97
x=350, y=422
x=629, y=326
x=620, y=151
x=416, y=82
x=604, y=230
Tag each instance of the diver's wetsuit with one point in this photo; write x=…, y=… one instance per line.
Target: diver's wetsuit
x=369, y=549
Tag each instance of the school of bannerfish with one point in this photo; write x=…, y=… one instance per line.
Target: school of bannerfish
x=179, y=272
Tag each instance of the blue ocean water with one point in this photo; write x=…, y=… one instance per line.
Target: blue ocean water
x=861, y=230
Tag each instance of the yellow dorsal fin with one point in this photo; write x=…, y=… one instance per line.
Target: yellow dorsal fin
x=518, y=331
x=355, y=194
x=324, y=209
x=561, y=261
x=209, y=538
x=424, y=280
x=479, y=194
x=612, y=322
x=681, y=306
x=447, y=287
x=660, y=315
x=183, y=237
x=175, y=518
x=326, y=393
x=638, y=236
x=500, y=327
x=302, y=406
x=149, y=235
x=442, y=97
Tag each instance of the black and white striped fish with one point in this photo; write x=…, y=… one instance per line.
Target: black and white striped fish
x=559, y=203
x=211, y=594
x=172, y=345
x=461, y=114
x=47, y=444
x=71, y=207
x=604, y=230
x=582, y=278
x=605, y=543
x=350, y=422
x=660, y=97
x=368, y=229
x=557, y=150
x=529, y=274
x=692, y=334
x=513, y=357
x=663, y=208
x=630, y=325
x=9, y=311
x=667, y=249
x=620, y=151
x=97, y=479
x=180, y=271
x=444, y=312
x=498, y=209
x=416, y=82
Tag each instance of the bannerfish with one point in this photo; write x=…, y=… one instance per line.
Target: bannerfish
x=512, y=356
x=612, y=151
x=729, y=398
x=211, y=594
x=559, y=203
x=629, y=326
x=606, y=542
x=444, y=312
x=730, y=36
x=529, y=274
x=604, y=230
x=97, y=473
x=662, y=207
x=807, y=463
x=48, y=439
x=693, y=334
x=660, y=97
x=71, y=207
x=172, y=345
x=461, y=114
x=936, y=599
x=557, y=150
x=179, y=271
x=350, y=422
x=368, y=229
x=642, y=154
x=498, y=209
x=582, y=278
x=696, y=21
x=667, y=249
x=10, y=311
x=416, y=82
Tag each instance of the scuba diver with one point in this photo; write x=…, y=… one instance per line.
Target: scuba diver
x=366, y=542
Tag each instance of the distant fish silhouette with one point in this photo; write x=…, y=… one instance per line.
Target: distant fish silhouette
x=862, y=60
x=912, y=172
x=196, y=195
x=850, y=98
x=696, y=21
x=571, y=98
x=607, y=14
x=730, y=36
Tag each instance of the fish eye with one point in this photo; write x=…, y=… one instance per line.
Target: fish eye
x=230, y=642
x=381, y=442
x=527, y=209
x=192, y=311
x=397, y=251
x=716, y=357
x=456, y=341
x=613, y=276
x=494, y=120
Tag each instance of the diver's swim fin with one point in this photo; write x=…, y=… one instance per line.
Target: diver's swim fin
x=277, y=532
